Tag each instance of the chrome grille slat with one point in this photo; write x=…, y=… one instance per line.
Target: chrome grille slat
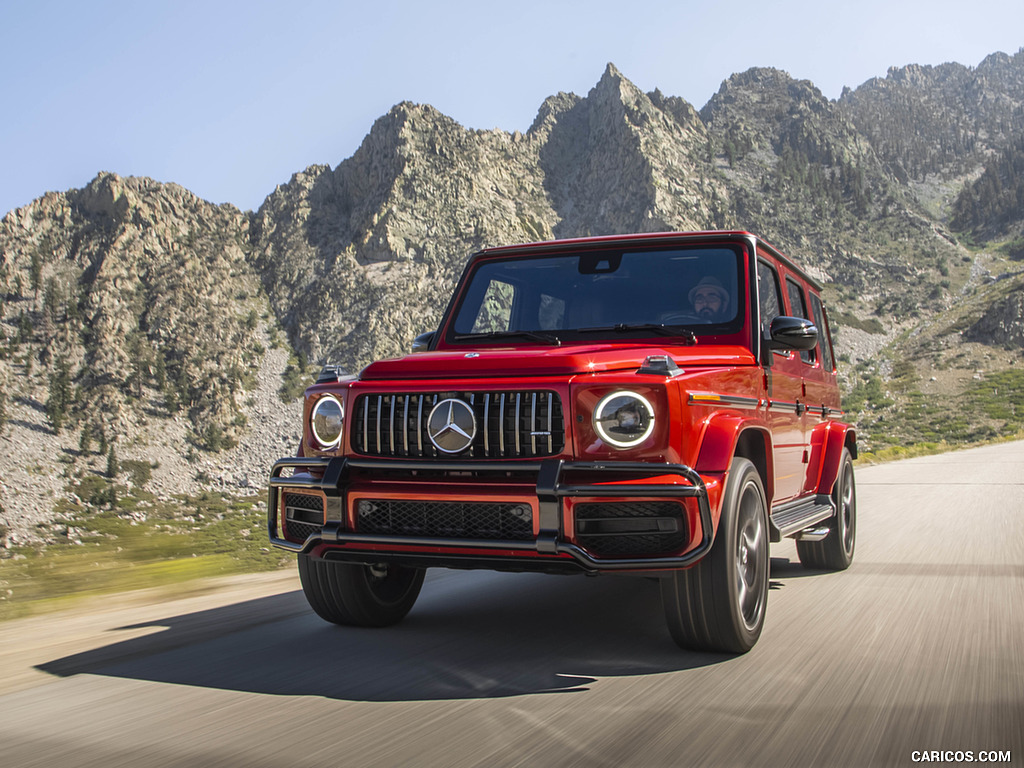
x=419, y=427
x=501, y=427
x=380, y=410
x=519, y=401
x=366, y=423
x=551, y=407
x=391, y=423
x=405, y=426
x=515, y=418
x=487, y=424
x=533, y=432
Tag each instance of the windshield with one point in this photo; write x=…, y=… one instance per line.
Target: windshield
x=686, y=292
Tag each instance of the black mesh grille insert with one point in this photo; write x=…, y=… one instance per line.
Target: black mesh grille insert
x=508, y=424
x=631, y=529
x=303, y=515
x=304, y=501
x=446, y=519
x=299, y=532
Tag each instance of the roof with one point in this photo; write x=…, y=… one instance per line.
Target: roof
x=641, y=237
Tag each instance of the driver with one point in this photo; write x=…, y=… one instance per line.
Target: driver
x=710, y=301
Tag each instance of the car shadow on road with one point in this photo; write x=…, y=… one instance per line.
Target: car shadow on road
x=471, y=635
x=784, y=568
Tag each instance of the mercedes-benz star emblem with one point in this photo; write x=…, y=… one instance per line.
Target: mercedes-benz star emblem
x=451, y=426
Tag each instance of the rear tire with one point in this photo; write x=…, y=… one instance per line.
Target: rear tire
x=719, y=604
x=358, y=595
x=835, y=551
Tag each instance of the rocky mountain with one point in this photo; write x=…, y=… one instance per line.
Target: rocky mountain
x=131, y=311
x=940, y=120
x=360, y=259
x=993, y=205
x=130, y=288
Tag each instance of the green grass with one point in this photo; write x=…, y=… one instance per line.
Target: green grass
x=295, y=379
x=897, y=452
x=138, y=544
x=896, y=414
x=848, y=320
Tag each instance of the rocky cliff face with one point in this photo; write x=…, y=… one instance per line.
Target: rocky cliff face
x=1002, y=323
x=360, y=259
x=129, y=288
x=943, y=120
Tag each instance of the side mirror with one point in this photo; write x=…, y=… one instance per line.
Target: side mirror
x=422, y=342
x=789, y=333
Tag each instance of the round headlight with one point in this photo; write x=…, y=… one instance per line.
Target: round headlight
x=326, y=421
x=624, y=419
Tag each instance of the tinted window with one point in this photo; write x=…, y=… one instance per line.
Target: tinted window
x=824, y=342
x=771, y=298
x=615, y=292
x=798, y=307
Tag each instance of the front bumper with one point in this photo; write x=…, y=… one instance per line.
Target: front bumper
x=550, y=487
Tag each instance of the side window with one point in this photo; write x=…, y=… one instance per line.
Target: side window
x=768, y=289
x=824, y=342
x=495, y=312
x=798, y=307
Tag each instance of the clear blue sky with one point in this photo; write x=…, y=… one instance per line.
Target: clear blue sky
x=229, y=99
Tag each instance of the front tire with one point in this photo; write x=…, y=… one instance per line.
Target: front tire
x=359, y=595
x=719, y=604
x=835, y=551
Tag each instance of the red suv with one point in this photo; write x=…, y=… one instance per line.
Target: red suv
x=656, y=404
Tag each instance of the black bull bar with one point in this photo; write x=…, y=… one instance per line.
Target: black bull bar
x=550, y=490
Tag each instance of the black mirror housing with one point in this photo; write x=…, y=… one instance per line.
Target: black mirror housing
x=792, y=333
x=423, y=342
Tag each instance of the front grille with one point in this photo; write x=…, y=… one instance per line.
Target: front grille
x=509, y=425
x=299, y=532
x=446, y=519
x=631, y=529
x=303, y=515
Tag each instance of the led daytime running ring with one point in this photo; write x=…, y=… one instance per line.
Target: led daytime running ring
x=327, y=401
x=617, y=442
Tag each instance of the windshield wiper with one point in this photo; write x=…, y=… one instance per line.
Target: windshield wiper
x=547, y=338
x=689, y=337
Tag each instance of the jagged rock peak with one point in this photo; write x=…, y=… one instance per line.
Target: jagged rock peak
x=552, y=108
x=923, y=76
x=613, y=84
x=769, y=80
x=766, y=86
x=614, y=91
x=1000, y=60
x=611, y=73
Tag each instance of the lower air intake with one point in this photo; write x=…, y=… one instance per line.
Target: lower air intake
x=446, y=519
x=631, y=529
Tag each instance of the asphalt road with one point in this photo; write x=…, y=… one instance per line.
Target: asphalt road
x=918, y=647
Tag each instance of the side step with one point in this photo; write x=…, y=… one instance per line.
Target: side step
x=792, y=518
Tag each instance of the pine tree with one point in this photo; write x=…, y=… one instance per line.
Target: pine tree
x=85, y=441
x=112, y=465
x=36, y=273
x=60, y=396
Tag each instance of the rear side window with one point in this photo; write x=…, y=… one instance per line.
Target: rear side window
x=768, y=290
x=824, y=342
x=798, y=307
x=495, y=312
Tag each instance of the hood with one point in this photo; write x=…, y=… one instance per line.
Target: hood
x=546, y=361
